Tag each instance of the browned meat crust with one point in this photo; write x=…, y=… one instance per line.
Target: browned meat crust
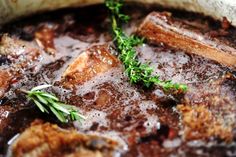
x=45, y=39
x=162, y=28
x=90, y=63
x=15, y=48
x=200, y=123
x=210, y=114
x=47, y=140
x=5, y=78
x=20, y=54
x=4, y=113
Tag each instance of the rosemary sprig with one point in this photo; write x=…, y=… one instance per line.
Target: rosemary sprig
x=136, y=71
x=48, y=102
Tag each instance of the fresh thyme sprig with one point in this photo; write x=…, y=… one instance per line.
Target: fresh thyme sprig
x=136, y=71
x=46, y=101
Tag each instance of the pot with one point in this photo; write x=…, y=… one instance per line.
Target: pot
x=13, y=9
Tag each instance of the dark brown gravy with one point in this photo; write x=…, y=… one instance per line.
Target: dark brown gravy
x=146, y=122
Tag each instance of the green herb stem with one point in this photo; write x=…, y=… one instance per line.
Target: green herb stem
x=137, y=72
x=48, y=102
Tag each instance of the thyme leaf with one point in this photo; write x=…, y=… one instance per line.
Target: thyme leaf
x=137, y=72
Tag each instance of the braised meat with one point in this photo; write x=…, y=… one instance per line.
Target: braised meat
x=18, y=50
x=5, y=80
x=50, y=140
x=161, y=27
x=90, y=63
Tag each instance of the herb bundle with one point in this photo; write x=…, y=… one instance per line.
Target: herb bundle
x=46, y=101
x=137, y=72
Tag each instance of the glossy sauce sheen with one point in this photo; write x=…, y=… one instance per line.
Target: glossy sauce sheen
x=147, y=122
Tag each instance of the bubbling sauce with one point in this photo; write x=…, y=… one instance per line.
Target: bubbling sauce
x=145, y=121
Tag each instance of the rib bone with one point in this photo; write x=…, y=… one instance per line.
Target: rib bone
x=161, y=28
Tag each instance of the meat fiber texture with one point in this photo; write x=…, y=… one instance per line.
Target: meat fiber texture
x=162, y=28
x=50, y=140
